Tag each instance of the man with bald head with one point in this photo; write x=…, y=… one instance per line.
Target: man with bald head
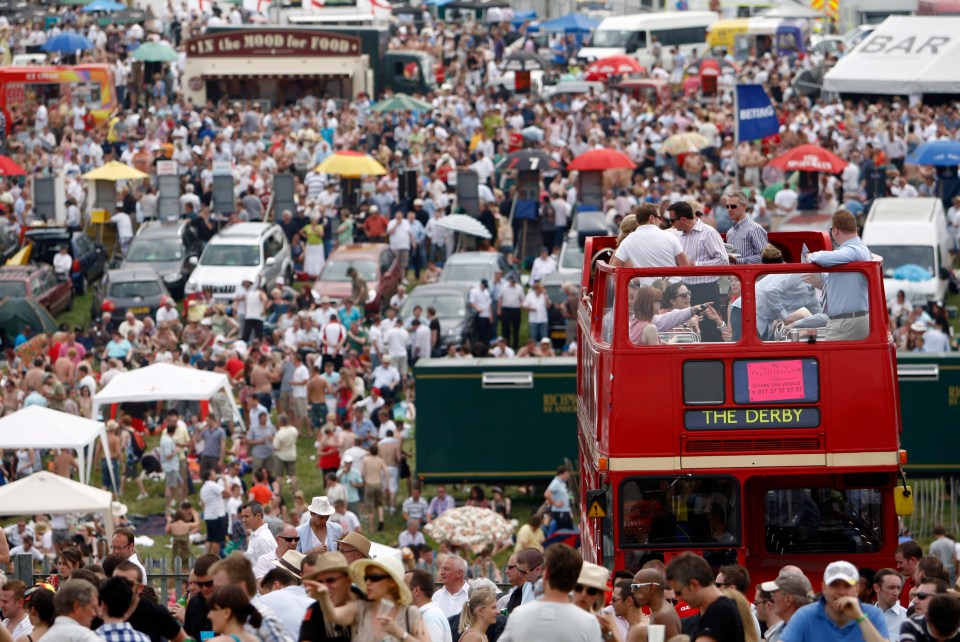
x=287, y=539
x=647, y=590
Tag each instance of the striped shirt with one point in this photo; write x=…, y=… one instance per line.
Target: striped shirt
x=703, y=246
x=749, y=239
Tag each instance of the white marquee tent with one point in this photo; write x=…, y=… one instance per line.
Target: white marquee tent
x=906, y=55
x=46, y=492
x=39, y=427
x=164, y=382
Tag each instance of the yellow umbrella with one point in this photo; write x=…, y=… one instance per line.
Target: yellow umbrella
x=351, y=164
x=115, y=171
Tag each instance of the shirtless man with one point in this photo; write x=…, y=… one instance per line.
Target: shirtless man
x=374, y=472
x=389, y=448
x=64, y=367
x=262, y=376
x=318, y=389
x=648, y=585
x=65, y=463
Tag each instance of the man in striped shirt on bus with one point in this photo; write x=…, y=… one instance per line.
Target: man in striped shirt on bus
x=745, y=235
x=703, y=246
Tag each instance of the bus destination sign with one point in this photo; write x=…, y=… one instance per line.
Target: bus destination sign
x=751, y=418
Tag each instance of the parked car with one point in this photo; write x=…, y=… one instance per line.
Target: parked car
x=172, y=250
x=9, y=243
x=255, y=251
x=89, y=257
x=451, y=301
x=137, y=290
x=38, y=282
x=571, y=257
x=375, y=262
x=470, y=267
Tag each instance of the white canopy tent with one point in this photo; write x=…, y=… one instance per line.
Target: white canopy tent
x=44, y=428
x=904, y=56
x=46, y=492
x=164, y=382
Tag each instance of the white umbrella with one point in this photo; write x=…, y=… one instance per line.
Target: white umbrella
x=465, y=224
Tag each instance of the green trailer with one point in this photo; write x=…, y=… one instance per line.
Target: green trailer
x=505, y=420
x=930, y=413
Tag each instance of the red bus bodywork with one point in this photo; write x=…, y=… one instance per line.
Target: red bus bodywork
x=804, y=495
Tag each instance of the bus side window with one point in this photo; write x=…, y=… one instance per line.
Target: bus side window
x=609, y=311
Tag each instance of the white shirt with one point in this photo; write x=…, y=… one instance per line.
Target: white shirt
x=422, y=341
x=542, y=267
x=261, y=543
x=62, y=264
x=289, y=604
x=407, y=539
x=136, y=562
x=452, y=603
x=23, y=627
x=399, y=233
x=436, y=623
x=124, y=225
x=649, y=246
x=480, y=298
x=211, y=496
x=397, y=339
x=264, y=564
x=300, y=374
x=542, y=620
x=66, y=629
x=166, y=316
x=536, y=305
x=511, y=296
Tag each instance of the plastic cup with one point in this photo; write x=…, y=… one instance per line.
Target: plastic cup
x=655, y=632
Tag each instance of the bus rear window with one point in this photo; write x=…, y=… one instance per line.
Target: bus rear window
x=820, y=521
x=680, y=511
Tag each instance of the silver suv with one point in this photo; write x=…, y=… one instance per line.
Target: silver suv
x=255, y=251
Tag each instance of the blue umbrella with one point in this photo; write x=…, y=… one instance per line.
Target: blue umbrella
x=943, y=153
x=67, y=42
x=103, y=5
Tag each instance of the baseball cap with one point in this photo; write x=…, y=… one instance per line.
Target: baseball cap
x=841, y=571
x=793, y=583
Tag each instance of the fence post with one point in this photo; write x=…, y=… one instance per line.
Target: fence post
x=23, y=569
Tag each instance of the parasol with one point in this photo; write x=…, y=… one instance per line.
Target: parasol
x=115, y=171
x=351, y=164
x=465, y=224
x=471, y=526
x=684, y=143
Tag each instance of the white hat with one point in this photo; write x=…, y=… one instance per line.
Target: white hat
x=841, y=571
x=348, y=459
x=594, y=576
x=118, y=509
x=281, y=281
x=919, y=326
x=321, y=506
x=374, y=208
x=392, y=566
x=291, y=561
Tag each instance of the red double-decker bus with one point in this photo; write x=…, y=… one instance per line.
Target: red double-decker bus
x=759, y=441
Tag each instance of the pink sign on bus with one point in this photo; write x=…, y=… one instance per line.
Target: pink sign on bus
x=775, y=380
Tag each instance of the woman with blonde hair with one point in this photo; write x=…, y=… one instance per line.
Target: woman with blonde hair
x=746, y=615
x=628, y=224
x=478, y=613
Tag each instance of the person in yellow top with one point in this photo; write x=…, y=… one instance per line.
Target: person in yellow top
x=530, y=534
x=313, y=237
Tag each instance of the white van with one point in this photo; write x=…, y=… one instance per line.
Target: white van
x=910, y=232
x=633, y=35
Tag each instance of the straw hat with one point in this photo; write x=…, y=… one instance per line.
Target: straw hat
x=327, y=562
x=291, y=561
x=357, y=541
x=594, y=576
x=118, y=509
x=389, y=565
x=321, y=506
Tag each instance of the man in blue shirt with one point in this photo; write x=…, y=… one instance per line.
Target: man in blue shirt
x=845, y=299
x=838, y=614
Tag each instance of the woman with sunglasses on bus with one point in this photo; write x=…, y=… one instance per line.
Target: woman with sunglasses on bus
x=387, y=611
x=230, y=610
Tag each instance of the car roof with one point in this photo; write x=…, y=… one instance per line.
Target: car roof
x=48, y=232
x=163, y=229
x=123, y=275
x=359, y=250
x=429, y=289
x=18, y=272
x=245, y=229
x=476, y=258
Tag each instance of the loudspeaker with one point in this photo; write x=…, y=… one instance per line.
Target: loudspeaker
x=408, y=185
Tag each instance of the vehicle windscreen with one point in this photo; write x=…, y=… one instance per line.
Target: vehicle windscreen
x=610, y=38
x=134, y=289
x=336, y=270
x=12, y=289
x=465, y=273
x=446, y=305
x=822, y=520
x=231, y=255
x=899, y=261
x=147, y=250
x=572, y=256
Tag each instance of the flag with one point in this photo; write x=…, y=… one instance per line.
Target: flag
x=756, y=117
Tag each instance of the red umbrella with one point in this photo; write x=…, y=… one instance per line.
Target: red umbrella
x=810, y=158
x=9, y=167
x=597, y=160
x=619, y=65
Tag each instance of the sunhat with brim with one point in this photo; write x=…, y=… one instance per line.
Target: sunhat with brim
x=328, y=563
x=291, y=561
x=594, y=576
x=389, y=565
x=357, y=541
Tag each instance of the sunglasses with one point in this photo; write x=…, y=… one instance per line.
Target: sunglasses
x=330, y=581
x=636, y=587
x=591, y=591
x=923, y=596
x=733, y=206
x=375, y=578
x=205, y=584
x=289, y=539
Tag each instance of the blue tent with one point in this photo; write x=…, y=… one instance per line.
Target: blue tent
x=570, y=23
x=522, y=15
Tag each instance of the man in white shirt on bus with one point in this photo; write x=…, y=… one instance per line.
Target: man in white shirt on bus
x=648, y=245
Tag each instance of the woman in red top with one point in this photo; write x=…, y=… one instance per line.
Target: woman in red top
x=328, y=453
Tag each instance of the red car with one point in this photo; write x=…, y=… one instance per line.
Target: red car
x=37, y=282
x=375, y=262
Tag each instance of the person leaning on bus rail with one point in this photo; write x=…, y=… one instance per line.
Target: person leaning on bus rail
x=845, y=299
x=782, y=297
x=838, y=614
